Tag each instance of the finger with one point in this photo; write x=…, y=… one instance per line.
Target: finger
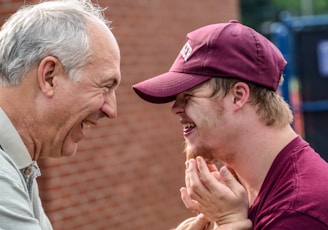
x=202, y=165
x=201, y=222
x=198, y=222
x=187, y=176
x=208, y=178
x=229, y=179
x=188, y=202
x=217, y=175
x=190, y=183
x=212, y=167
x=194, y=184
x=214, y=171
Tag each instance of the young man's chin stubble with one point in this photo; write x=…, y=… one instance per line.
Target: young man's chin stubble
x=203, y=151
x=206, y=153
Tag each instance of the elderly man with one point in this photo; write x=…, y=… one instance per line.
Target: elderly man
x=59, y=68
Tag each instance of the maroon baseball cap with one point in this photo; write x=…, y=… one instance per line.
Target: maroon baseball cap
x=217, y=50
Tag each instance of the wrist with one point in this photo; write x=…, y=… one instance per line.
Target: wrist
x=245, y=224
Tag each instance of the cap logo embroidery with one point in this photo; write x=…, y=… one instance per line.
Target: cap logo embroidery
x=186, y=51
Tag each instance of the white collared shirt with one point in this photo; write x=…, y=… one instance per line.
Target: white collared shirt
x=20, y=204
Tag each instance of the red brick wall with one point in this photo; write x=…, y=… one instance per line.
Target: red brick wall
x=127, y=173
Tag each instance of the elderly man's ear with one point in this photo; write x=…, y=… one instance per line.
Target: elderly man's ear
x=48, y=71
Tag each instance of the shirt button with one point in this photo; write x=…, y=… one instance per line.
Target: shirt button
x=27, y=171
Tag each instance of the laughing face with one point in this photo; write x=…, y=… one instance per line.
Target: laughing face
x=79, y=104
x=93, y=95
x=203, y=117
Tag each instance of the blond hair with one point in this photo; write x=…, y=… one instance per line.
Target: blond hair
x=272, y=109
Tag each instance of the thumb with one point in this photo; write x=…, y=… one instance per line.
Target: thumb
x=201, y=221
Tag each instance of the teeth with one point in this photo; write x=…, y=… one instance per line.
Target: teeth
x=188, y=126
x=88, y=124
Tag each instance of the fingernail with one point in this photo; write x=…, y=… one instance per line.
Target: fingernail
x=198, y=159
x=224, y=171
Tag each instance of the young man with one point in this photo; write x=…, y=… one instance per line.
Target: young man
x=224, y=83
x=59, y=68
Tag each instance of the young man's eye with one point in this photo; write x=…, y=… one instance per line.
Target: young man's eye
x=187, y=96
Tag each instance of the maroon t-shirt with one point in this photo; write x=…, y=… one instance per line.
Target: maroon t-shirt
x=294, y=194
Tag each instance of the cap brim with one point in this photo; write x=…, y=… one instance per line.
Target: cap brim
x=164, y=88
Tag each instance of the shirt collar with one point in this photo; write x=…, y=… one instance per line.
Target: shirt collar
x=12, y=143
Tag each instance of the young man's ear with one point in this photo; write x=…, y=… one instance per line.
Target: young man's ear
x=240, y=93
x=48, y=70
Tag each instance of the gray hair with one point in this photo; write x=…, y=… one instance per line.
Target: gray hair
x=53, y=28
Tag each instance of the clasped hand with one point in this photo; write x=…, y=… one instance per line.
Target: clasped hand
x=215, y=193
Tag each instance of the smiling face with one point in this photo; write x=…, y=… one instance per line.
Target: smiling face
x=78, y=104
x=205, y=123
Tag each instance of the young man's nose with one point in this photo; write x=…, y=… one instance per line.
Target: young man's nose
x=179, y=104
